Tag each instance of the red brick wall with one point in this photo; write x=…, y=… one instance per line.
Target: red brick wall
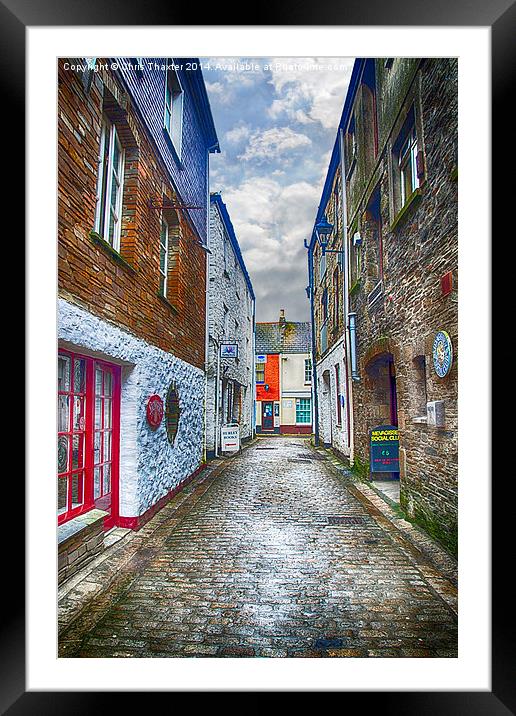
x=123, y=289
x=271, y=379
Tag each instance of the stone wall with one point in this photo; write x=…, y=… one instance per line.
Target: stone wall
x=419, y=248
x=231, y=319
x=79, y=542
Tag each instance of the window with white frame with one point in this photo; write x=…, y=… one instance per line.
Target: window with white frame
x=303, y=411
x=163, y=257
x=308, y=370
x=405, y=162
x=108, y=217
x=260, y=372
x=174, y=109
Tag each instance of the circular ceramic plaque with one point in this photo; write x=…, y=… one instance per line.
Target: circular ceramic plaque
x=442, y=354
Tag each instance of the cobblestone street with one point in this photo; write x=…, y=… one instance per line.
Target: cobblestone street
x=274, y=555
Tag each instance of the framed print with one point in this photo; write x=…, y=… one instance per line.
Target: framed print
x=137, y=185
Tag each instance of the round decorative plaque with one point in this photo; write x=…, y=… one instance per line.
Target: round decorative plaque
x=442, y=354
x=155, y=411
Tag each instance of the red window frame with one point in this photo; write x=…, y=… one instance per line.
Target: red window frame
x=84, y=430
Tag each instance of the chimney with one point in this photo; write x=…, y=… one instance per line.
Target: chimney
x=282, y=317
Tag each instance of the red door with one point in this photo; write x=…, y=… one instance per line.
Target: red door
x=106, y=427
x=267, y=415
x=88, y=436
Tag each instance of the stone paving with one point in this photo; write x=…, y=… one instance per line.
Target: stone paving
x=277, y=557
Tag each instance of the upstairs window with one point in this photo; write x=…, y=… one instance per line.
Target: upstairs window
x=260, y=372
x=324, y=305
x=351, y=146
x=308, y=370
x=336, y=296
x=110, y=185
x=174, y=109
x=406, y=162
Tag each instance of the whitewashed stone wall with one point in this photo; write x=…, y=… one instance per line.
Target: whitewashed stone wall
x=149, y=465
x=329, y=431
x=227, y=287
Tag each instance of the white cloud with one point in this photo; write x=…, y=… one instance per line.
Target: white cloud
x=273, y=143
x=271, y=223
x=237, y=134
x=310, y=95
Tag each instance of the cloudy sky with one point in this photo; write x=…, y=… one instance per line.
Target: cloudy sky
x=276, y=121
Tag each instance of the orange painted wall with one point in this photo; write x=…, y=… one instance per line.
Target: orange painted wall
x=271, y=379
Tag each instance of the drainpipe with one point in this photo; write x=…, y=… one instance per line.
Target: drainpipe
x=207, y=308
x=314, y=369
x=217, y=380
x=345, y=246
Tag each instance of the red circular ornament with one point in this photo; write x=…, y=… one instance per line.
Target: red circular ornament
x=154, y=411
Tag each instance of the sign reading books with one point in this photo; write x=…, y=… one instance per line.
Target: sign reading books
x=230, y=438
x=385, y=449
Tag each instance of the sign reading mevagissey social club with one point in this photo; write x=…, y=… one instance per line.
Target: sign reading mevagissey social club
x=442, y=354
x=384, y=442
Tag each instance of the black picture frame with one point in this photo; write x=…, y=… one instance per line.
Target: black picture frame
x=500, y=16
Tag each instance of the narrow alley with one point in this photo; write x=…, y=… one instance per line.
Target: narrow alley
x=272, y=555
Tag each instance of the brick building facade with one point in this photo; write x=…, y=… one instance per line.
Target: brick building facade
x=133, y=153
x=397, y=148
x=231, y=318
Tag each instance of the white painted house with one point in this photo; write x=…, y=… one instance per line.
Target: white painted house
x=231, y=318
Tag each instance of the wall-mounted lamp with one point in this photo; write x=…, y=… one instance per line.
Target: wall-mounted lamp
x=323, y=229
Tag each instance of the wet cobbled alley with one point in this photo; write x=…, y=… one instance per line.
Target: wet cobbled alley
x=270, y=554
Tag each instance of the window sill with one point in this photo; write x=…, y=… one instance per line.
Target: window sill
x=167, y=303
x=410, y=205
x=110, y=251
x=71, y=528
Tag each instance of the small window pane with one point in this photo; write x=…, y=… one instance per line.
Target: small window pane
x=107, y=383
x=98, y=381
x=62, y=489
x=106, y=486
x=107, y=413
x=77, y=490
x=96, y=448
x=107, y=447
x=77, y=451
x=79, y=376
x=96, y=482
x=63, y=373
x=62, y=453
x=98, y=413
x=63, y=413
x=78, y=413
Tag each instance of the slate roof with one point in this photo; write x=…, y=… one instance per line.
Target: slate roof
x=287, y=337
